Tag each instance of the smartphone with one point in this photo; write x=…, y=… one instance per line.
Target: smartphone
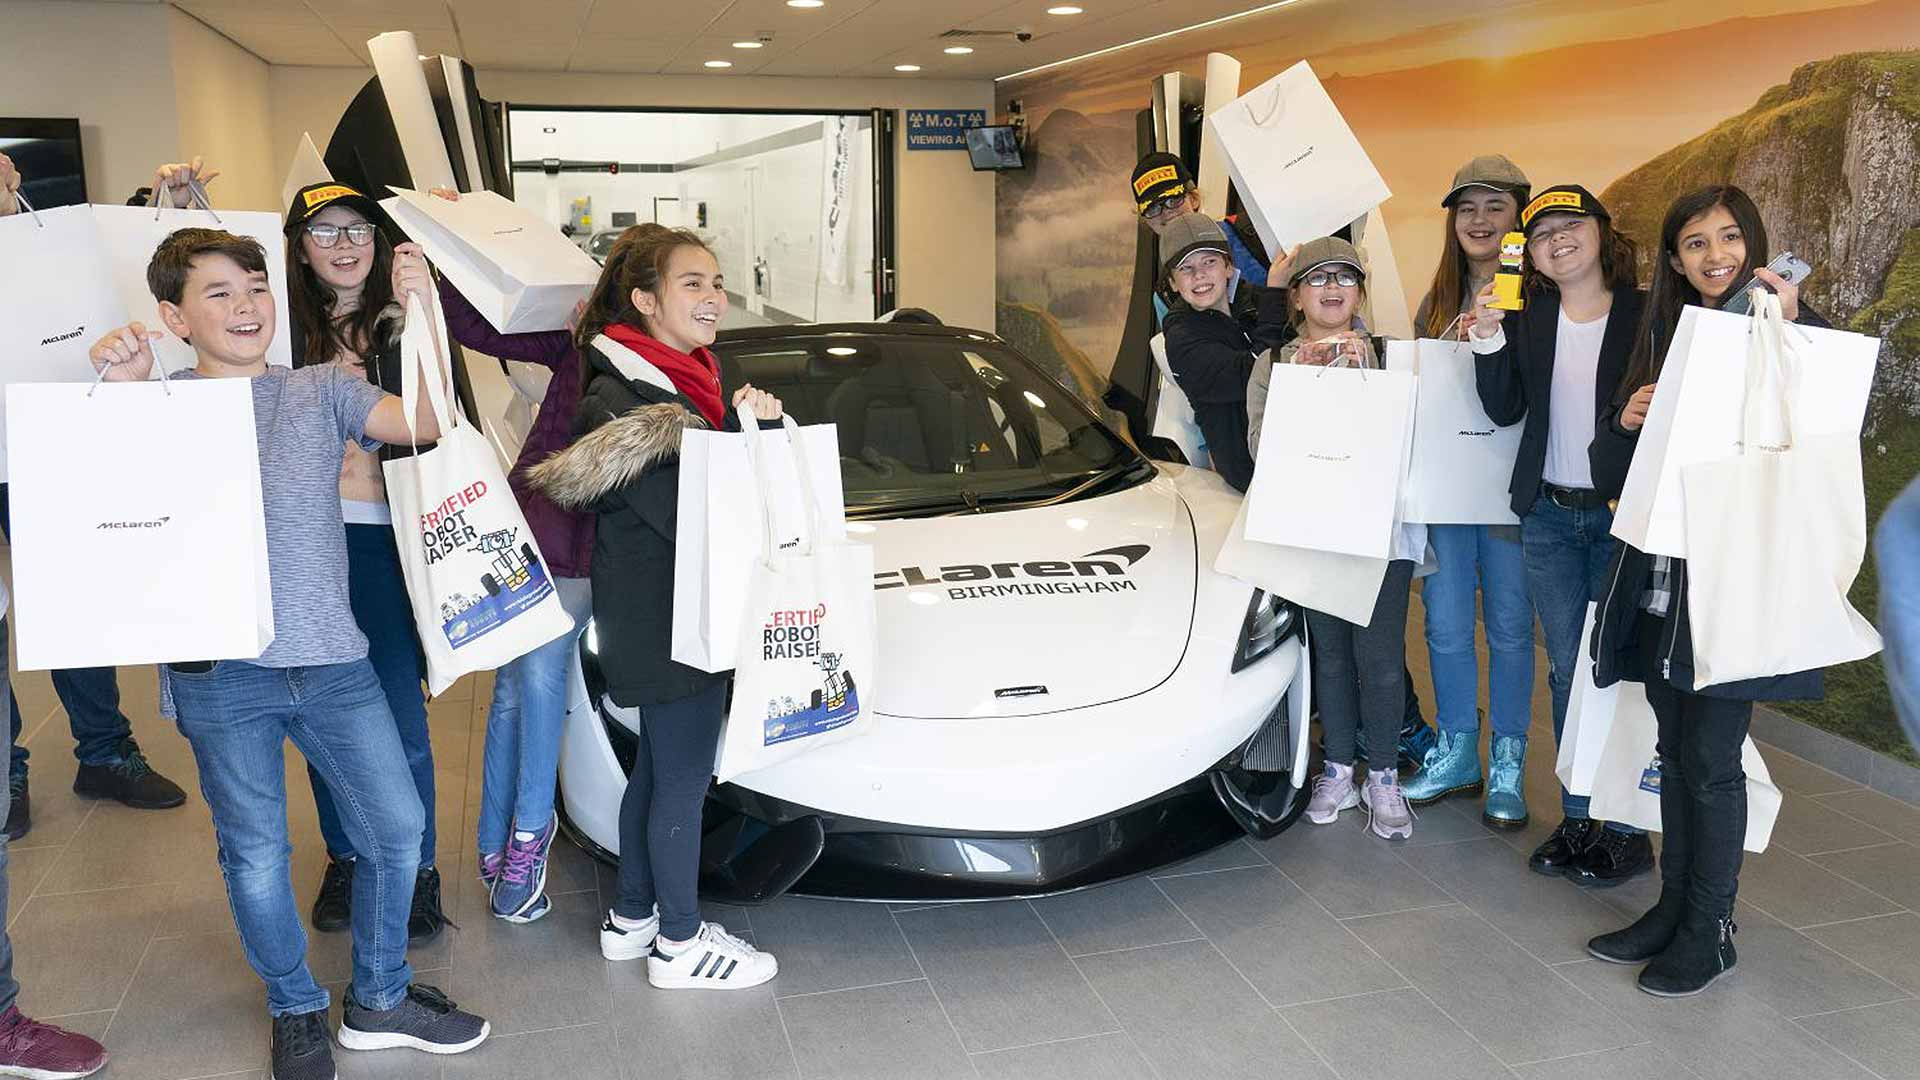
x=1788, y=265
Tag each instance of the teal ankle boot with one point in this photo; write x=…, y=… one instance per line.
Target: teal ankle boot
x=1506, y=797
x=1453, y=765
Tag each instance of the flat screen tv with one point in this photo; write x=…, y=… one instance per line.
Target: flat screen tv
x=47, y=153
x=994, y=148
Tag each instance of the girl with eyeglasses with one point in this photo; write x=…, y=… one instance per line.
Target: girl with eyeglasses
x=1554, y=367
x=1476, y=560
x=1359, y=671
x=344, y=281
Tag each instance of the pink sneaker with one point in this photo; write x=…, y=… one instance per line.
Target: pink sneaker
x=1332, y=792
x=30, y=1048
x=1388, y=814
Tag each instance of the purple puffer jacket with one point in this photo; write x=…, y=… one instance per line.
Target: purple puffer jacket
x=565, y=537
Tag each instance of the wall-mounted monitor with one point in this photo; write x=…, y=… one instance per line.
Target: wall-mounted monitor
x=46, y=150
x=994, y=148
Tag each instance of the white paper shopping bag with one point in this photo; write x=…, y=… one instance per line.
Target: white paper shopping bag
x=122, y=554
x=1299, y=170
x=1696, y=413
x=130, y=235
x=1590, y=712
x=1462, y=461
x=57, y=298
x=722, y=513
x=514, y=267
x=1333, y=454
x=1627, y=783
x=478, y=585
x=1776, y=533
x=1344, y=586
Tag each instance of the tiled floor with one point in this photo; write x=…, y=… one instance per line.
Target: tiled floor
x=1324, y=953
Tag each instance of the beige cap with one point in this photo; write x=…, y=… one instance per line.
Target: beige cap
x=1492, y=171
x=1326, y=251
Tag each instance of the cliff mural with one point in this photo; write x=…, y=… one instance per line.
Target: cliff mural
x=1796, y=101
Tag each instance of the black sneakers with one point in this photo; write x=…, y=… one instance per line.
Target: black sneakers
x=424, y=1020
x=1701, y=952
x=333, y=908
x=426, y=920
x=129, y=781
x=19, y=809
x=301, y=1048
x=1558, y=852
x=1612, y=857
x=1649, y=935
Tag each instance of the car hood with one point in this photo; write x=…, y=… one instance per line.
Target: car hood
x=1023, y=612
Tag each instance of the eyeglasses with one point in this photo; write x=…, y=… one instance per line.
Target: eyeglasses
x=1163, y=207
x=359, y=234
x=1320, y=279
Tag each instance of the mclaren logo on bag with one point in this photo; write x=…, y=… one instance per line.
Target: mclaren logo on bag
x=154, y=524
x=1102, y=571
x=68, y=336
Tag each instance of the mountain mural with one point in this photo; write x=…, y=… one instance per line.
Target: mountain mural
x=1832, y=158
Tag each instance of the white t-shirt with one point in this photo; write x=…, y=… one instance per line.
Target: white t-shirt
x=1576, y=367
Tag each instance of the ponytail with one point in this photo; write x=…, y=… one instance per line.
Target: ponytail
x=638, y=261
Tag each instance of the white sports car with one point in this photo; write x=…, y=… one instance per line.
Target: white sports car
x=1067, y=692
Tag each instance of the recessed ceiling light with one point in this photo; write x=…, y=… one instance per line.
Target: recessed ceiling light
x=749, y=44
x=719, y=63
x=956, y=50
x=842, y=350
x=806, y=3
x=906, y=67
x=1066, y=9
x=1275, y=5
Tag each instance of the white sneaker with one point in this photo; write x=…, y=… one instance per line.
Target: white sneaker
x=713, y=960
x=1388, y=814
x=618, y=944
x=1333, y=791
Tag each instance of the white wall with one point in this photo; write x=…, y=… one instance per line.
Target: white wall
x=944, y=240
x=225, y=113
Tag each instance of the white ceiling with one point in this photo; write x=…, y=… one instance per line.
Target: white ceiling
x=851, y=38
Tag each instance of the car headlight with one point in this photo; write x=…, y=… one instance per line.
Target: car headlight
x=1269, y=622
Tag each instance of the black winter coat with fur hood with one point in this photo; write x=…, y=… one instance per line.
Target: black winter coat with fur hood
x=624, y=467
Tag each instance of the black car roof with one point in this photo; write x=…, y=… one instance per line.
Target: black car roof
x=853, y=329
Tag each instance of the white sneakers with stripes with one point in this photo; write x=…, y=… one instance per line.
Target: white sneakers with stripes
x=713, y=960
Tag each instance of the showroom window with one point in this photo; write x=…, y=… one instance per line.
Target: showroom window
x=792, y=203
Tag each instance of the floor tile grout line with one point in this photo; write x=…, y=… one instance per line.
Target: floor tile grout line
x=1075, y=961
x=1845, y=813
x=1843, y=850
x=128, y=989
x=850, y=989
x=1864, y=888
x=958, y=1039
x=1133, y=948
x=1590, y=1053
x=1152, y=1066
x=1853, y=1008
x=793, y=1056
x=1839, y=922
x=1402, y=911
x=1343, y=997
x=1815, y=1036
x=1302, y=1036
x=1049, y=1042
x=1401, y=975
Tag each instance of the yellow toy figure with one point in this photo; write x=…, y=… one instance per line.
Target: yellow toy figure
x=1506, y=281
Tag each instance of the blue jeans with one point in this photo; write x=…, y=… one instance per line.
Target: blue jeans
x=523, y=729
x=91, y=698
x=377, y=593
x=1567, y=552
x=238, y=717
x=1476, y=559
x=1896, y=553
x=9, y=986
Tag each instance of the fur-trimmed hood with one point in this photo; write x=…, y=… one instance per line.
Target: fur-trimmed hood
x=613, y=455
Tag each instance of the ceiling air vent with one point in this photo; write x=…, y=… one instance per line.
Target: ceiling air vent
x=985, y=34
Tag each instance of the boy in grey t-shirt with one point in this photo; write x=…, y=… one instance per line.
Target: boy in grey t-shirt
x=314, y=684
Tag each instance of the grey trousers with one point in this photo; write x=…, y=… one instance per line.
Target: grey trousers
x=1359, y=673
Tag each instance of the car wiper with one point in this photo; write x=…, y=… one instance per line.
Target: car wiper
x=1051, y=493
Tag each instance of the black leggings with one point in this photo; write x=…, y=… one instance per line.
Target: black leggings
x=1703, y=785
x=1359, y=673
x=660, y=813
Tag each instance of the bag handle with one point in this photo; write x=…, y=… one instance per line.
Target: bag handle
x=810, y=509
x=21, y=198
x=1274, y=109
x=196, y=196
x=1772, y=376
x=166, y=383
x=422, y=339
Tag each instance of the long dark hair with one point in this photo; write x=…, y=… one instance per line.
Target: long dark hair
x=638, y=261
x=1670, y=290
x=320, y=338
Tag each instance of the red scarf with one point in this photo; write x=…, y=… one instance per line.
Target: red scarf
x=697, y=376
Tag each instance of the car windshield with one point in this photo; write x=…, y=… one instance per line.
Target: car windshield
x=932, y=425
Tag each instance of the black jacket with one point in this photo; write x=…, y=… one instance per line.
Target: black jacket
x=1616, y=634
x=1211, y=354
x=1516, y=383
x=624, y=467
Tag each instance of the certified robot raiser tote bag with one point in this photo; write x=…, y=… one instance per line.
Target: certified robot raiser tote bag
x=478, y=585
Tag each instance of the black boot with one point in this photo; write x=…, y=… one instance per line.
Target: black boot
x=1701, y=952
x=1649, y=935
x=1561, y=849
x=19, y=810
x=425, y=919
x=1612, y=858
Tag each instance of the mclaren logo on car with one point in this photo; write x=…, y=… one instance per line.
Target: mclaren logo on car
x=1104, y=571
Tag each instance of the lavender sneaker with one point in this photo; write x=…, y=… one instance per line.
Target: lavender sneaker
x=1388, y=814
x=522, y=883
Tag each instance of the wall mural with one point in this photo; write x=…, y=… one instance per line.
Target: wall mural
x=1800, y=102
